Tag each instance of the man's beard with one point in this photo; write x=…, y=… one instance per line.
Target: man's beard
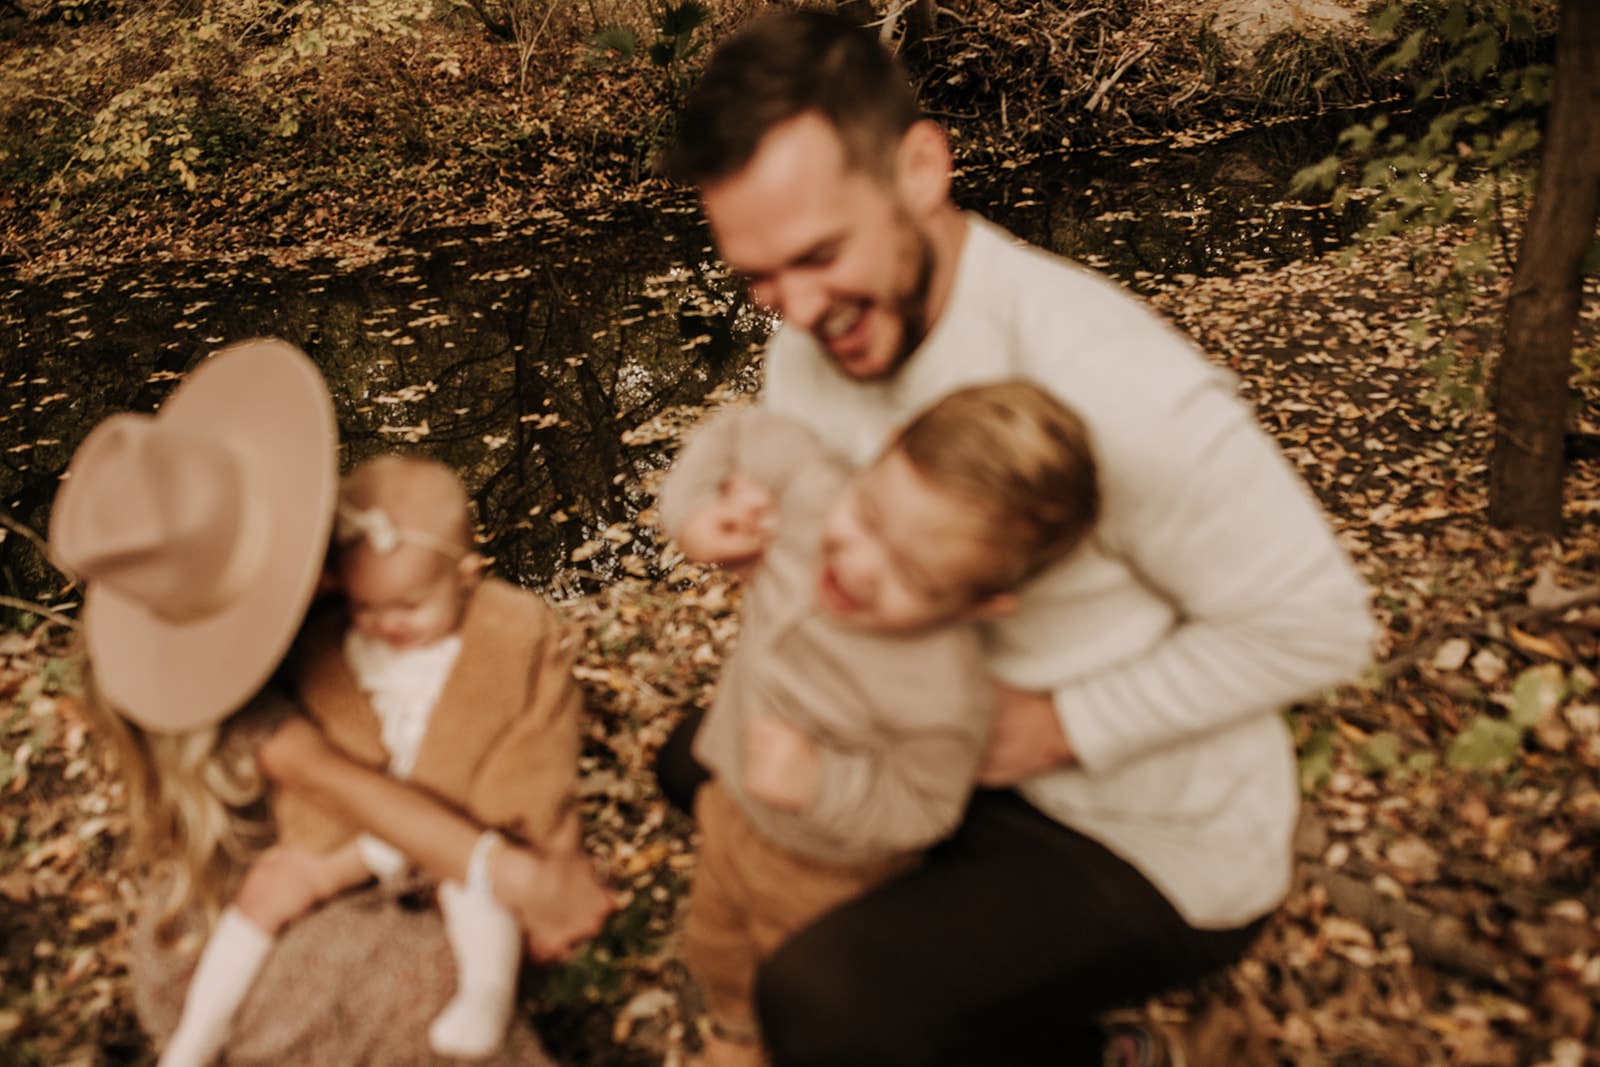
x=909, y=307
x=912, y=306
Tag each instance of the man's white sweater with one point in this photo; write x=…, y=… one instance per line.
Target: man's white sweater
x=1212, y=594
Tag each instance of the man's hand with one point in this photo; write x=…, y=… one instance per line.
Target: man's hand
x=781, y=764
x=555, y=895
x=1026, y=739
x=734, y=529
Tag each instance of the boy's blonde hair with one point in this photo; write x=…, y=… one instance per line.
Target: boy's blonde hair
x=1020, y=455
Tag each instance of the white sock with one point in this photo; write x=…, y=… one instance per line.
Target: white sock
x=487, y=942
x=223, y=977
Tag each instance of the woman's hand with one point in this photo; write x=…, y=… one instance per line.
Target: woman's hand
x=555, y=894
x=1026, y=739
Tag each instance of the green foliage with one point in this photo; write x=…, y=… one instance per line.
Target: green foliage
x=599, y=969
x=58, y=675
x=1537, y=692
x=1485, y=744
x=1474, y=66
x=675, y=45
x=1316, y=760
x=616, y=43
x=62, y=674
x=677, y=42
x=1490, y=743
x=1380, y=753
x=171, y=120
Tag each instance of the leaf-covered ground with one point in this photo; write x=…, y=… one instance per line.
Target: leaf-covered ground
x=143, y=131
x=1446, y=910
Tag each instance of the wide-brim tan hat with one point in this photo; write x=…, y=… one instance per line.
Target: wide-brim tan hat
x=200, y=532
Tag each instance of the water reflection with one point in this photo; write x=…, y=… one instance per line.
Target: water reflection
x=521, y=359
x=1145, y=215
x=536, y=361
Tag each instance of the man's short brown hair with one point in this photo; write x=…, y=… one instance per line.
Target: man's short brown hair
x=1020, y=455
x=784, y=64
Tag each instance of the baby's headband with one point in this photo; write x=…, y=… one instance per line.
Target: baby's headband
x=383, y=535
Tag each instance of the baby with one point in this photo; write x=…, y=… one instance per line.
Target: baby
x=849, y=723
x=458, y=684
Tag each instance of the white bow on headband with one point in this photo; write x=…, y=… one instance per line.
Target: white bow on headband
x=383, y=535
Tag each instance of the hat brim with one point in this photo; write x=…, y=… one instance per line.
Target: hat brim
x=267, y=399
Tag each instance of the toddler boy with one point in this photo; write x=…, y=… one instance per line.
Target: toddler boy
x=849, y=722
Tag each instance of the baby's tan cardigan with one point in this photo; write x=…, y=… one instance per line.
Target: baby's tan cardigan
x=502, y=741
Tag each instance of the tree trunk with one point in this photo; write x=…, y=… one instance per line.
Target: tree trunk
x=1531, y=383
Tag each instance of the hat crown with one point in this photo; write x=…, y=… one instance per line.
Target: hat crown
x=166, y=518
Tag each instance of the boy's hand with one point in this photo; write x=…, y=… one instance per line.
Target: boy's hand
x=556, y=895
x=781, y=764
x=734, y=529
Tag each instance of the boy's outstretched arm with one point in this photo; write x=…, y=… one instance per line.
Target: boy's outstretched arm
x=554, y=893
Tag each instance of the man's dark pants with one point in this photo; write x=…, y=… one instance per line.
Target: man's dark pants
x=999, y=949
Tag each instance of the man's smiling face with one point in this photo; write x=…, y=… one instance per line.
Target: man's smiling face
x=831, y=246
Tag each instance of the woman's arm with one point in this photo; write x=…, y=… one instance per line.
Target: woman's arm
x=554, y=893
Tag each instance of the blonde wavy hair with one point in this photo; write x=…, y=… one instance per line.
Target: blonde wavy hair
x=195, y=806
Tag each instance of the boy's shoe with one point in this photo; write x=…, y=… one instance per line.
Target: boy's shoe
x=1142, y=1044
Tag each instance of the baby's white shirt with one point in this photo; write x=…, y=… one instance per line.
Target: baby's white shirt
x=402, y=686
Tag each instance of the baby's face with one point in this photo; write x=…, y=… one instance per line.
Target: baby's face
x=900, y=554
x=407, y=598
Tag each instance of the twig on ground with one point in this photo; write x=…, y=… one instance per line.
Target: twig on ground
x=40, y=610
x=1115, y=76
x=1440, y=939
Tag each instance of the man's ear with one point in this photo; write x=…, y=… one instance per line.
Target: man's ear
x=922, y=167
x=470, y=567
x=994, y=607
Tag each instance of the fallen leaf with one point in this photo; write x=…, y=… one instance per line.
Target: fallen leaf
x=1451, y=655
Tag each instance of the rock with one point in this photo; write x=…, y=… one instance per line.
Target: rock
x=1245, y=25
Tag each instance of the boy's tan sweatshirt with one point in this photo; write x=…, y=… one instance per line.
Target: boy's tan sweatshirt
x=900, y=720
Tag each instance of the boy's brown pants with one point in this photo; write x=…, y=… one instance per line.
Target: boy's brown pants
x=748, y=896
